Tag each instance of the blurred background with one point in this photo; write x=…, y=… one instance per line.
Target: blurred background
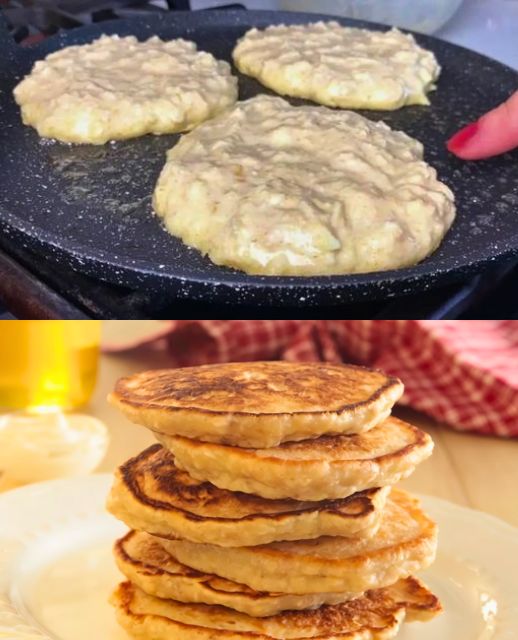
x=489, y=26
x=461, y=380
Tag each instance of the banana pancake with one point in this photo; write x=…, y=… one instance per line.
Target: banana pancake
x=151, y=494
x=144, y=561
x=404, y=544
x=377, y=615
x=323, y=468
x=258, y=404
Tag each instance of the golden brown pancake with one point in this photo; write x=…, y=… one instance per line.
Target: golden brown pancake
x=143, y=560
x=323, y=468
x=152, y=494
x=258, y=404
x=405, y=543
x=375, y=616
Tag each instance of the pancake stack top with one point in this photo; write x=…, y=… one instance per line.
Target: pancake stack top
x=267, y=511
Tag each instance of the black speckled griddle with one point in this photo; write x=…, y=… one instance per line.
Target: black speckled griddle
x=90, y=207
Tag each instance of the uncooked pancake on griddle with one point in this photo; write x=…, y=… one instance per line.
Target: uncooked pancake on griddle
x=117, y=87
x=273, y=189
x=339, y=66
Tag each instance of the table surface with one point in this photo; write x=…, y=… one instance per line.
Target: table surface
x=474, y=471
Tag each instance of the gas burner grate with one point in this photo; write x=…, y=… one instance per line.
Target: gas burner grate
x=32, y=288
x=31, y=21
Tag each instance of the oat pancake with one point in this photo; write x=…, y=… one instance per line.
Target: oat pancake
x=274, y=189
x=404, y=544
x=258, y=404
x=151, y=494
x=323, y=468
x=150, y=567
x=339, y=66
x=117, y=88
x=376, y=616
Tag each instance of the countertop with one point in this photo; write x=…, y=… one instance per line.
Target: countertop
x=474, y=471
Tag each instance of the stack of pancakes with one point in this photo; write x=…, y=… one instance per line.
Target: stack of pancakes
x=267, y=511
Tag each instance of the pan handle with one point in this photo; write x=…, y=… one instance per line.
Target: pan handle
x=7, y=44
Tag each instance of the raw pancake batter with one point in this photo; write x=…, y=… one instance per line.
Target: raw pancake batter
x=117, y=88
x=339, y=66
x=279, y=190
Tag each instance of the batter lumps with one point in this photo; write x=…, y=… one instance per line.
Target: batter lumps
x=279, y=190
x=339, y=66
x=117, y=88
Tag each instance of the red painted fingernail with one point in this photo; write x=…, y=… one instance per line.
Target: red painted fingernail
x=462, y=137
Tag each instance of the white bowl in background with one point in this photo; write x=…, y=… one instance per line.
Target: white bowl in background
x=426, y=16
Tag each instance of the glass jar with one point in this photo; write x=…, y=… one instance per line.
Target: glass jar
x=48, y=363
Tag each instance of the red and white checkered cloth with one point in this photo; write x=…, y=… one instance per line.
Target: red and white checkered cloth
x=464, y=373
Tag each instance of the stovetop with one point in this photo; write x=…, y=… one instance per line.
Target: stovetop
x=32, y=21
x=56, y=294
x=31, y=287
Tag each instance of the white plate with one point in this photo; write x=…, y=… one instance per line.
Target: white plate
x=56, y=571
